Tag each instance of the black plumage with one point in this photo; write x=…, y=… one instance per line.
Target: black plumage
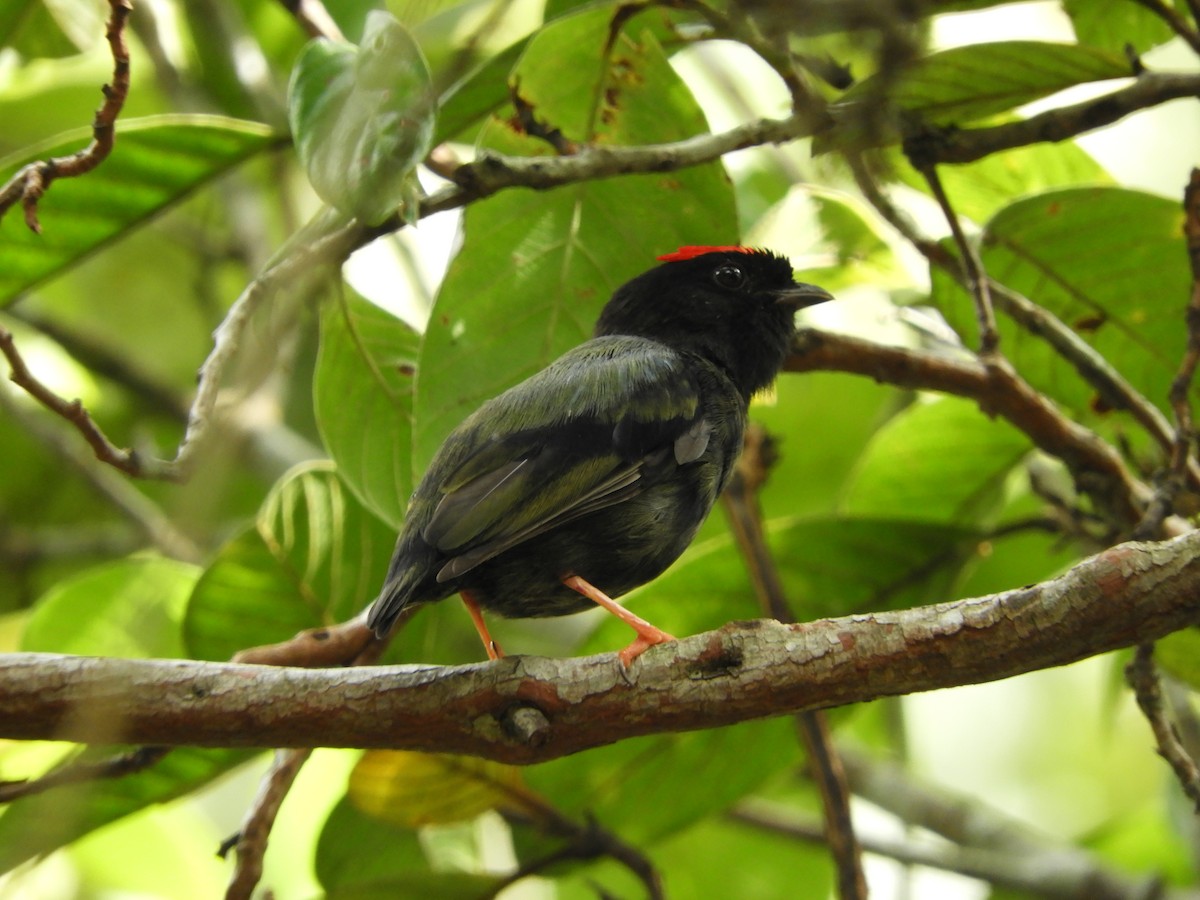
x=593, y=476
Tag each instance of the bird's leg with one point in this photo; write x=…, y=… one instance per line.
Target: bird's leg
x=472, y=605
x=647, y=634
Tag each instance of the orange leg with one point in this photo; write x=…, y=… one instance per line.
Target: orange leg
x=647, y=634
x=472, y=605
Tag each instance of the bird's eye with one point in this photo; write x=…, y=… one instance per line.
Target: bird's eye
x=730, y=277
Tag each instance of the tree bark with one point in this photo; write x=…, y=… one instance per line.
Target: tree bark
x=530, y=709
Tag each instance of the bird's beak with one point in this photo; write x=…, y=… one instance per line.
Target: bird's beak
x=800, y=295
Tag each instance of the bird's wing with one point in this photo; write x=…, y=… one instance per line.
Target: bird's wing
x=586, y=433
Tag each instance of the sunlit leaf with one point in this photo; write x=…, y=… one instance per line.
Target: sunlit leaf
x=132, y=607
x=965, y=84
x=938, y=461
x=980, y=189
x=413, y=789
x=37, y=825
x=156, y=162
x=1115, y=25
x=363, y=117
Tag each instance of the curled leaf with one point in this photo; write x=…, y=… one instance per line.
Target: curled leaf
x=363, y=117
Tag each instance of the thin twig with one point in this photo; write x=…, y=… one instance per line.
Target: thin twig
x=333, y=645
x=1182, y=458
x=32, y=181
x=745, y=517
x=1114, y=390
x=1143, y=678
x=106, y=362
x=1091, y=366
x=250, y=842
x=124, y=460
x=976, y=276
x=1023, y=870
x=77, y=771
x=585, y=841
x=124, y=497
x=963, y=145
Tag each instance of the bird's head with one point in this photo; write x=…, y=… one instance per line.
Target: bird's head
x=735, y=306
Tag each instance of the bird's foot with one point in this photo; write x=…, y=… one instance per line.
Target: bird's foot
x=643, y=643
x=647, y=634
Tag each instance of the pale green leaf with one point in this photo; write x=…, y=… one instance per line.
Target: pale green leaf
x=363, y=117
x=132, y=607
x=156, y=162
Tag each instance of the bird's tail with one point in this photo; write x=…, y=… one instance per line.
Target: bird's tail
x=402, y=587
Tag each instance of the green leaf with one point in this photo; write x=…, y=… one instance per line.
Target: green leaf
x=964, y=84
x=355, y=849
x=536, y=267
x=156, y=162
x=361, y=858
x=649, y=788
x=132, y=607
x=1179, y=655
x=981, y=189
x=30, y=28
x=1109, y=262
x=704, y=856
x=315, y=557
x=1114, y=24
x=36, y=826
x=477, y=94
x=363, y=117
x=938, y=461
x=814, y=458
x=363, y=394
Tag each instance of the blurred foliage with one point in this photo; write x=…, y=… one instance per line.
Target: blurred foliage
x=881, y=499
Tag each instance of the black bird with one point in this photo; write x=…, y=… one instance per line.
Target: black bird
x=592, y=476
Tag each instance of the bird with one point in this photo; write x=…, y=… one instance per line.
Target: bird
x=593, y=475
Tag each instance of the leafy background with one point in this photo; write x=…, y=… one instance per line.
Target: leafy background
x=345, y=389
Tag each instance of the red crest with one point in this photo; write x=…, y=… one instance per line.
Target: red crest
x=692, y=252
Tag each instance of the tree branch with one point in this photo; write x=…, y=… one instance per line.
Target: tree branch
x=1097, y=371
x=1129, y=594
x=1096, y=466
x=31, y=182
x=1142, y=676
x=964, y=145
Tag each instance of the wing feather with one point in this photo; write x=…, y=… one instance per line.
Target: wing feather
x=590, y=431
